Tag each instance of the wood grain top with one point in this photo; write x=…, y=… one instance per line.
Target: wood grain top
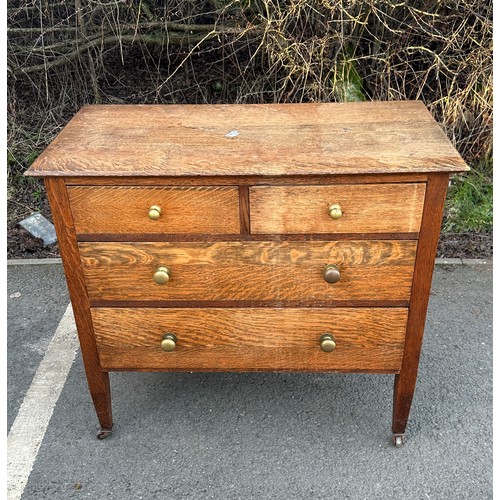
x=250, y=139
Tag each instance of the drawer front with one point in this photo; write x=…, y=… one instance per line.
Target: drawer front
x=250, y=271
x=122, y=210
x=365, y=208
x=214, y=339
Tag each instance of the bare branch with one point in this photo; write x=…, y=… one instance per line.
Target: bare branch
x=162, y=38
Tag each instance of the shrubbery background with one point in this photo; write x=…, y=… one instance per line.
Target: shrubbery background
x=62, y=55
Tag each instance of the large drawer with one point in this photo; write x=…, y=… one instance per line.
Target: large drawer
x=364, y=208
x=123, y=210
x=250, y=271
x=211, y=339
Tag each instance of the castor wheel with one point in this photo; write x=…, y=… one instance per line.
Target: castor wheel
x=103, y=434
x=399, y=440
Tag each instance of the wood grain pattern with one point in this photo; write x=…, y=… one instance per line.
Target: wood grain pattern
x=245, y=180
x=273, y=139
x=98, y=380
x=128, y=237
x=251, y=339
x=370, y=270
x=118, y=210
x=365, y=208
x=404, y=383
x=250, y=303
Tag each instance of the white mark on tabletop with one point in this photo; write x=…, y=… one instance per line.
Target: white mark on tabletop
x=233, y=133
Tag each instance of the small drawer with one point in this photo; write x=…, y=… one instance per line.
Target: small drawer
x=249, y=271
x=174, y=210
x=213, y=339
x=342, y=208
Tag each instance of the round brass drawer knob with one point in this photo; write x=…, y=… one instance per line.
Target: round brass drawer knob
x=162, y=275
x=332, y=273
x=327, y=342
x=154, y=212
x=168, y=342
x=335, y=211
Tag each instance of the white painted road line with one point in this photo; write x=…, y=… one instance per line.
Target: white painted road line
x=33, y=262
x=28, y=430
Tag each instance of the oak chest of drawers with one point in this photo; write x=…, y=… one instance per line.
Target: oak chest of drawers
x=296, y=237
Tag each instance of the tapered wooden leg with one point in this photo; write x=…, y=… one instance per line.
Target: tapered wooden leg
x=97, y=379
x=404, y=387
x=404, y=382
x=101, y=396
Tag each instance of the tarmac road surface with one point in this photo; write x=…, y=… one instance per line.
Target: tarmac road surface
x=254, y=435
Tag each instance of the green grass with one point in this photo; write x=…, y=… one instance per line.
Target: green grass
x=469, y=204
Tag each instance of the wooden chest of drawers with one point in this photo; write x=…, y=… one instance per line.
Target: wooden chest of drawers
x=296, y=237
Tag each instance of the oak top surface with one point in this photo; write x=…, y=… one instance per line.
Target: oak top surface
x=250, y=139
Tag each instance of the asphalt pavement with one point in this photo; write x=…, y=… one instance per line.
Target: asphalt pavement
x=266, y=435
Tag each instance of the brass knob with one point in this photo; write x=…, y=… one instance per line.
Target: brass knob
x=327, y=342
x=168, y=342
x=162, y=275
x=332, y=273
x=154, y=212
x=335, y=211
